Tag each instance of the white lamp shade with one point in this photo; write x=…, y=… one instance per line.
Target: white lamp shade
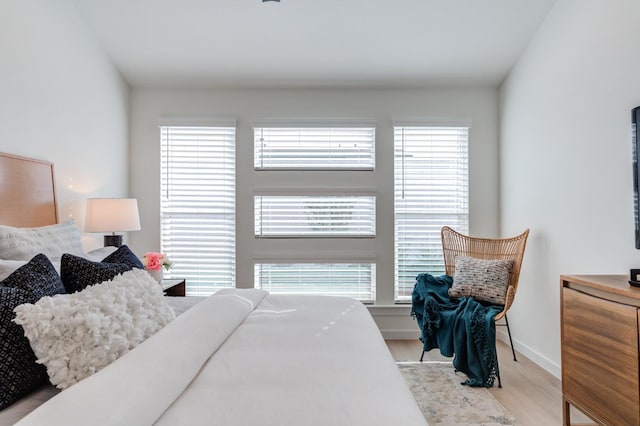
x=112, y=215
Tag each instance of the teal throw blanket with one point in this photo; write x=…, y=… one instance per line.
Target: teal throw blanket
x=461, y=327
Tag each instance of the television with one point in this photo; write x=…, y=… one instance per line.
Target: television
x=635, y=125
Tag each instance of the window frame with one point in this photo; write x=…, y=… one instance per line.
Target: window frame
x=326, y=262
x=300, y=126
x=221, y=254
x=403, y=280
x=318, y=194
x=314, y=181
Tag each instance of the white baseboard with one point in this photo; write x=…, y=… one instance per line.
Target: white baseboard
x=533, y=355
x=400, y=334
x=395, y=323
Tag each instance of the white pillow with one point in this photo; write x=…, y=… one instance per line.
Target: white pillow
x=98, y=254
x=76, y=335
x=51, y=240
x=8, y=266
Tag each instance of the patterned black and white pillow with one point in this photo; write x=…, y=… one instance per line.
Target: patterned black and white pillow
x=19, y=372
x=38, y=277
x=484, y=280
x=125, y=256
x=78, y=273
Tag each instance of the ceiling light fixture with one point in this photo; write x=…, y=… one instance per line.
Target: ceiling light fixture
x=265, y=1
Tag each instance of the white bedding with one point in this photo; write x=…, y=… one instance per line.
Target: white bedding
x=24, y=406
x=243, y=357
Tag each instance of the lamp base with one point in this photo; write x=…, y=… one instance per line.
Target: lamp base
x=113, y=240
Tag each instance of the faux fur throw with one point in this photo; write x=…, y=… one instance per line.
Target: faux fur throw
x=76, y=335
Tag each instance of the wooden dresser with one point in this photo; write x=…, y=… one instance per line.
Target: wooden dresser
x=600, y=358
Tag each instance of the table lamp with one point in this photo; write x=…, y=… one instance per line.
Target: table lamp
x=112, y=215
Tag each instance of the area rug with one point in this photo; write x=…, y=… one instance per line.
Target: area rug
x=444, y=401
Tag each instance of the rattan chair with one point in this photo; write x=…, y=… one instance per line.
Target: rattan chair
x=457, y=244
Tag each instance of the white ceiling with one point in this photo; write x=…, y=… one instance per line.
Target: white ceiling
x=313, y=43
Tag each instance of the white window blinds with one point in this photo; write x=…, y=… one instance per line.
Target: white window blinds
x=314, y=148
x=356, y=280
x=431, y=190
x=198, y=205
x=314, y=216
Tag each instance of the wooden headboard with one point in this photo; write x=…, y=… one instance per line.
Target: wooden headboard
x=27, y=192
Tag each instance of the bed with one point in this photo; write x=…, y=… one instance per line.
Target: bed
x=239, y=357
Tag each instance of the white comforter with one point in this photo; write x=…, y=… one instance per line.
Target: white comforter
x=243, y=357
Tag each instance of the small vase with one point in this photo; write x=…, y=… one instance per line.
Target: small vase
x=156, y=274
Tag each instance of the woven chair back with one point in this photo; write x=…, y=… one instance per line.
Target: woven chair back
x=457, y=244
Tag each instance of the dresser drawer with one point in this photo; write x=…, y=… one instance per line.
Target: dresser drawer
x=600, y=357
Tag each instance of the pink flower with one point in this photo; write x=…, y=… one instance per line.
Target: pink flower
x=153, y=261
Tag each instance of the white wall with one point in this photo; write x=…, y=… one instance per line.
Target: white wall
x=477, y=105
x=61, y=100
x=565, y=150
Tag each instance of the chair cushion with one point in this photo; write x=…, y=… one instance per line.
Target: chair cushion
x=484, y=280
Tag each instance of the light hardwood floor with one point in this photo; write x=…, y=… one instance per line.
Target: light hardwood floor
x=529, y=392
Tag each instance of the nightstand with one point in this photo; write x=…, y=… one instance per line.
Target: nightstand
x=176, y=287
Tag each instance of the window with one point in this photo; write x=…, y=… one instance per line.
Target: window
x=355, y=280
x=198, y=205
x=314, y=148
x=315, y=216
x=314, y=234
x=431, y=190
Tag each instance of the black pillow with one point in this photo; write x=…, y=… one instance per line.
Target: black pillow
x=38, y=277
x=19, y=372
x=78, y=273
x=124, y=255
